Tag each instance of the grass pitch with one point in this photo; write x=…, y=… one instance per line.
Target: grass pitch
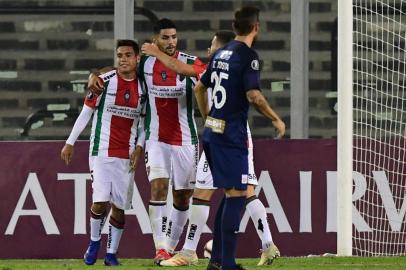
x=291, y=263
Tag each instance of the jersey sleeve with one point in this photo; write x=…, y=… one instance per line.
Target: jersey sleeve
x=251, y=78
x=199, y=67
x=80, y=124
x=91, y=100
x=205, y=77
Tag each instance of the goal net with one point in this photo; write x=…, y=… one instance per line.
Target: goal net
x=379, y=127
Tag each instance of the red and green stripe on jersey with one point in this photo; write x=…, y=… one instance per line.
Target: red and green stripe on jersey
x=169, y=110
x=114, y=127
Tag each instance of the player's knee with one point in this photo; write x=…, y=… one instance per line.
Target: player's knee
x=181, y=198
x=159, y=190
x=250, y=191
x=117, y=214
x=99, y=208
x=203, y=194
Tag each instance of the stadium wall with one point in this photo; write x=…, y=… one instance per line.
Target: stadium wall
x=44, y=210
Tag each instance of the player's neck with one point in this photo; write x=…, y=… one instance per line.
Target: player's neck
x=245, y=39
x=127, y=76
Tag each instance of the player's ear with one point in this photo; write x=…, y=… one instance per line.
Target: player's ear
x=155, y=40
x=256, y=26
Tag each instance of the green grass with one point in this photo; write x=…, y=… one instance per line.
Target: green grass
x=291, y=263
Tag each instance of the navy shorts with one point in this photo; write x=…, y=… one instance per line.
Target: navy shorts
x=228, y=165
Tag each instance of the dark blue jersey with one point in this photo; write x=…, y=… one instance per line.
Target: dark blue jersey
x=232, y=71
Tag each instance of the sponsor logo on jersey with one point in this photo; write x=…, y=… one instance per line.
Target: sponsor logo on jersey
x=216, y=125
x=225, y=54
x=255, y=64
x=123, y=111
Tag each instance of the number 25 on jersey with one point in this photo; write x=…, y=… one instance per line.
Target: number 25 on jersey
x=220, y=100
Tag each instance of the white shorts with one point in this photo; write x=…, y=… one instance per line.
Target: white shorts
x=177, y=162
x=112, y=181
x=204, y=180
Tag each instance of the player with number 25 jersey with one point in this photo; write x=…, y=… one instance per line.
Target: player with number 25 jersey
x=235, y=67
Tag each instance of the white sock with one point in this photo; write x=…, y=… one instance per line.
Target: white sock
x=113, y=239
x=258, y=215
x=159, y=221
x=96, y=226
x=199, y=213
x=177, y=222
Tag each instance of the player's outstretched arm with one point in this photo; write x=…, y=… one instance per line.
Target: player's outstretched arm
x=78, y=127
x=95, y=84
x=201, y=99
x=170, y=62
x=260, y=103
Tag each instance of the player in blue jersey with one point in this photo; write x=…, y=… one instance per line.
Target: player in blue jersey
x=233, y=75
x=204, y=182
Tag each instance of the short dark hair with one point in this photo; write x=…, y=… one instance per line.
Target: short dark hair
x=244, y=20
x=225, y=36
x=164, y=23
x=129, y=43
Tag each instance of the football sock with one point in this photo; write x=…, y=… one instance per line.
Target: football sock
x=231, y=218
x=96, y=225
x=199, y=213
x=258, y=215
x=177, y=222
x=115, y=232
x=158, y=219
x=217, y=235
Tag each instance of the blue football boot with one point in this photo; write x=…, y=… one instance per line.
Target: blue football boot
x=91, y=252
x=111, y=260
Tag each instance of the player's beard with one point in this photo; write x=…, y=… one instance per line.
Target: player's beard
x=170, y=51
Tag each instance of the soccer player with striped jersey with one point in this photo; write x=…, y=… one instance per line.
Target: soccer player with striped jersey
x=115, y=146
x=171, y=150
x=204, y=182
x=233, y=76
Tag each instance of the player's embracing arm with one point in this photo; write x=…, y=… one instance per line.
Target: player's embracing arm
x=201, y=92
x=201, y=99
x=255, y=96
x=174, y=64
x=95, y=83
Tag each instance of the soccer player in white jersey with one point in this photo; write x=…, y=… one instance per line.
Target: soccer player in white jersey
x=204, y=182
x=115, y=146
x=171, y=150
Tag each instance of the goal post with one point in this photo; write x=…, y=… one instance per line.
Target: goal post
x=371, y=144
x=344, y=128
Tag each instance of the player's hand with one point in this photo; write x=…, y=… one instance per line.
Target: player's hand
x=95, y=84
x=150, y=49
x=280, y=127
x=67, y=153
x=135, y=155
